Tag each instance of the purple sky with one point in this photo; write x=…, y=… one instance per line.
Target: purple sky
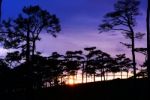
x=79, y=20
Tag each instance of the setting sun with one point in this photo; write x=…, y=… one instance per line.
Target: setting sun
x=71, y=80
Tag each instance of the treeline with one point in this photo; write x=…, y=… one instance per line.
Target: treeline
x=54, y=68
x=26, y=68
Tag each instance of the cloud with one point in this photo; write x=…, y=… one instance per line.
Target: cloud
x=73, y=41
x=3, y=52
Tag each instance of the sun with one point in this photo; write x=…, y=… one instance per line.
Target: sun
x=70, y=82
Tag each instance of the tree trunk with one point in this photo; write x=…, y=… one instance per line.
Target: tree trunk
x=82, y=77
x=113, y=75
x=133, y=56
x=33, y=47
x=132, y=46
x=73, y=79
x=76, y=75
x=0, y=9
x=104, y=77
x=94, y=77
x=148, y=38
x=61, y=80
x=68, y=78
x=83, y=73
x=101, y=78
x=86, y=77
x=101, y=75
x=50, y=83
x=33, y=50
x=121, y=74
x=133, y=49
x=28, y=44
x=104, y=74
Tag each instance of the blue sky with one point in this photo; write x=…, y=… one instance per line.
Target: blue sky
x=79, y=20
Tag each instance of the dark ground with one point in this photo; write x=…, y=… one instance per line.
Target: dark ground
x=110, y=90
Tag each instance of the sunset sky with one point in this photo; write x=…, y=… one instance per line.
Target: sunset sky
x=79, y=20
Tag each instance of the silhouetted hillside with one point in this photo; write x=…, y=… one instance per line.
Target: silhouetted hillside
x=110, y=90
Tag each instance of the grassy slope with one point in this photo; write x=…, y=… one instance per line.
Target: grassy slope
x=110, y=90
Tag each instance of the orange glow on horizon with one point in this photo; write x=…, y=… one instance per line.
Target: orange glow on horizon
x=72, y=80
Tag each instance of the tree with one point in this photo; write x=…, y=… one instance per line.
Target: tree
x=71, y=63
x=105, y=64
x=98, y=63
x=54, y=71
x=123, y=19
x=24, y=31
x=3, y=67
x=114, y=68
x=4, y=74
x=148, y=38
x=13, y=59
x=0, y=9
x=30, y=75
x=88, y=56
x=143, y=70
x=80, y=60
x=123, y=63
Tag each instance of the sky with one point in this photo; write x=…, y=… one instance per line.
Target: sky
x=79, y=21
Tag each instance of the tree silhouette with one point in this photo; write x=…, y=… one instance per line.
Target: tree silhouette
x=13, y=59
x=36, y=71
x=4, y=75
x=3, y=67
x=71, y=63
x=24, y=31
x=114, y=67
x=148, y=38
x=90, y=69
x=88, y=62
x=143, y=71
x=124, y=63
x=120, y=62
x=106, y=63
x=55, y=70
x=98, y=62
x=80, y=58
x=141, y=50
x=81, y=61
x=0, y=9
x=124, y=19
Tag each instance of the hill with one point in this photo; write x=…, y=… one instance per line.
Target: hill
x=109, y=90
